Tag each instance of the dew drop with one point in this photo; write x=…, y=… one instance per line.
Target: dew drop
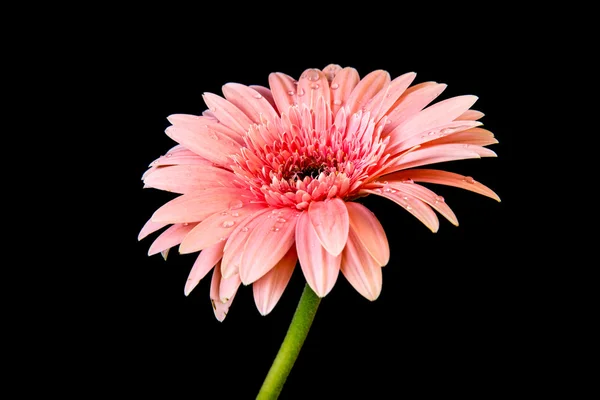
x=186, y=223
x=281, y=220
x=235, y=214
x=446, y=131
x=291, y=92
x=228, y=224
x=258, y=96
x=385, y=182
x=408, y=181
x=312, y=75
x=334, y=86
x=389, y=121
x=439, y=199
x=393, y=191
x=378, y=190
x=337, y=102
x=274, y=229
x=245, y=229
x=236, y=205
x=213, y=136
x=469, y=179
x=314, y=86
x=405, y=198
x=301, y=92
x=222, y=238
x=408, y=207
x=169, y=155
x=431, y=133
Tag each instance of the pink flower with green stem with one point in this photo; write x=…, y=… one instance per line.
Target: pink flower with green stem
x=268, y=179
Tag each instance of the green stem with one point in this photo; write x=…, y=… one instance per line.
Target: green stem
x=292, y=343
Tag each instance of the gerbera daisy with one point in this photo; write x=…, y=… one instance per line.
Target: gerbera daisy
x=269, y=176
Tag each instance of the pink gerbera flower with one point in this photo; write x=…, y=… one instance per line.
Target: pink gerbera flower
x=269, y=176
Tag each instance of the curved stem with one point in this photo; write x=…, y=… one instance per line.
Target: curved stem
x=292, y=343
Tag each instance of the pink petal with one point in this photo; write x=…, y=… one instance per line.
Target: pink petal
x=471, y=115
x=229, y=287
x=397, y=144
x=228, y=114
x=443, y=178
x=372, y=236
x=196, y=123
x=476, y=136
x=312, y=85
x=367, y=88
x=269, y=289
x=250, y=102
x=220, y=308
x=267, y=243
x=320, y=268
x=170, y=237
x=360, y=269
x=188, y=178
x=431, y=155
x=284, y=91
x=416, y=207
x=266, y=93
x=329, y=219
x=411, y=102
x=422, y=193
x=236, y=242
x=387, y=97
x=195, y=206
x=342, y=86
x=185, y=157
x=217, y=228
x=210, y=145
x=151, y=227
x=206, y=260
x=433, y=116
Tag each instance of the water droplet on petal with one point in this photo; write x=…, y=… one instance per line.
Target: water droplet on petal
x=222, y=238
x=408, y=181
x=393, y=191
x=469, y=179
x=389, y=121
x=301, y=92
x=228, y=224
x=213, y=136
x=186, y=223
x=274, y=229
x=334, y=86
x=291, y=92
x=406, y=198
x=258, y=96
x=378, y=190
x=312, y=75
x=385, y=182
x=245, y=229
x=337, y=102
x=439, y=199
x=408, y=207
x=281, y=220
x=169, y=155
x=236, y=205
x=235, y=214
x=314, y=86
x=431, y=133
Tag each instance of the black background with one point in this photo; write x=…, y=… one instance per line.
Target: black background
x=454, y=316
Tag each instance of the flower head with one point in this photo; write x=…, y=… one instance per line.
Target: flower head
x=268, y=177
